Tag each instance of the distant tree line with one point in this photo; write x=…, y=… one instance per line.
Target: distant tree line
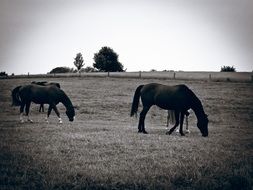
x=106, y=60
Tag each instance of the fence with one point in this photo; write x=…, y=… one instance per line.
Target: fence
x=206, y=76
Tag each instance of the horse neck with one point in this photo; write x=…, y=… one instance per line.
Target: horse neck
x=66, y=101
x=198, y=108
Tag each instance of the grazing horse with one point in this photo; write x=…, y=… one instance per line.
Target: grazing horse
x=178, y=98
x=45, y=83
x=23, y=96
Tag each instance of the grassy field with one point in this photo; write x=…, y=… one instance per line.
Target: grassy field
x=101, y=149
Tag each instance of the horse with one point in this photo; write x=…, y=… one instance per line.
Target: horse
x=23, y=96
x=178, y=98
x=45, y=83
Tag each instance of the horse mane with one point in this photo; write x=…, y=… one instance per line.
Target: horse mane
x=45, y=83
x=42, y=83
x=196, y=105
x=66, y=100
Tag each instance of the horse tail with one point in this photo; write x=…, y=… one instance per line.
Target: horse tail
x=15, y=96
x=136, y=99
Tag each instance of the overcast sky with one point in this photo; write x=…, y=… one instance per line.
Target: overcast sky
x=191, y=35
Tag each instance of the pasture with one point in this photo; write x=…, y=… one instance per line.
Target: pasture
x=101, y=149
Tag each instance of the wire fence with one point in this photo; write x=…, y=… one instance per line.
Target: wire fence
x=205, y=76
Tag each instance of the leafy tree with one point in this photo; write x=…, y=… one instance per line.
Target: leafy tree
x=78, y=61
x=106, y=60
x=61, y=70
x=228, y=69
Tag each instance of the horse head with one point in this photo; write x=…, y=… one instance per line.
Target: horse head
x=203, y=126
x=71, y=113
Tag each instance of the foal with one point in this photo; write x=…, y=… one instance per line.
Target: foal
x=171, y=120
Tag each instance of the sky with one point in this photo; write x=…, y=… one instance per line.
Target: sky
x=187, y=35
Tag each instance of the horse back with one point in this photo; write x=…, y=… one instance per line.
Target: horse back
x=167, y=97
x=40, y=94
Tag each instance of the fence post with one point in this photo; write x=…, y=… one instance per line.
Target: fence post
x=210, y=77
x=108, y=74
x=251, y=78
x=28, y=75
x=139, y=74
x=174, y=75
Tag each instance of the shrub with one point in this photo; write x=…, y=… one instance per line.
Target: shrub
x=88, y=70
x=228, y=69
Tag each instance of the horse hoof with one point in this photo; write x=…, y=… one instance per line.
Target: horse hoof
x=182, y=134
x=29, y=120
x=60, y=120
x=187, y=131
x=145, y=132
x=168, y=133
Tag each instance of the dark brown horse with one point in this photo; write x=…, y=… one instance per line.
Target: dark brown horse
x=178, y=98
x=45, y=83
x=23, y=96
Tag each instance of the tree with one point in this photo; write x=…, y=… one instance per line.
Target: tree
x=228, y=69
x=3, y=74
x=78, y=61
x=106, y=60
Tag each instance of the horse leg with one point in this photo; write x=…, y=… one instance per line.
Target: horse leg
x=187, y=129
x=27, y=108
x=57, y=113
x=176, y=124
x=41, y=109
x=178, y=130
x=21, y=112
x=168, y=118
x=141, y=125
x=48, y=113
x=181, y=123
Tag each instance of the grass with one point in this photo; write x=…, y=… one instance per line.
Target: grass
x=102, y=149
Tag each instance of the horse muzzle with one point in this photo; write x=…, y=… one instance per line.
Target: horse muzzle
x=205, y=134
x=72, y=119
